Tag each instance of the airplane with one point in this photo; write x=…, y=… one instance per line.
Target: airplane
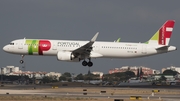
x=76, y=51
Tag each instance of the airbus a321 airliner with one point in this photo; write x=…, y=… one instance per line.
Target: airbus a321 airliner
x=75, y=51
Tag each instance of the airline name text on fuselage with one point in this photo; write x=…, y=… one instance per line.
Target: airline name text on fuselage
x=76, y=44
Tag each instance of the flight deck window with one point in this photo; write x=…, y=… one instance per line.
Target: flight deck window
x=11, y=43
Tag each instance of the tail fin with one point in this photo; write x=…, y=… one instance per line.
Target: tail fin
x=163, y=35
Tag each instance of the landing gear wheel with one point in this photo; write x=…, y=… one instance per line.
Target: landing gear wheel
x=21, y=61
x=84, y=63
x=90, y=64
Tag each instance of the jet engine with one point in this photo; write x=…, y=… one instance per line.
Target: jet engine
x=66, y=56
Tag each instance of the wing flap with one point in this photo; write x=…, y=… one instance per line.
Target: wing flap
x=95, y=55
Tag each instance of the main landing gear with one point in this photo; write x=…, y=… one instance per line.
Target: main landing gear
x=85, y=63
x=22, y=61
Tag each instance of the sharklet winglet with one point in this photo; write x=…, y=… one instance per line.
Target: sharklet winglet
x=95, y=37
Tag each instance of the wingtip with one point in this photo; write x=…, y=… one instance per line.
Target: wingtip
x=95, y=37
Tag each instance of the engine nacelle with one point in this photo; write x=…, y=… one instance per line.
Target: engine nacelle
x=66, y=56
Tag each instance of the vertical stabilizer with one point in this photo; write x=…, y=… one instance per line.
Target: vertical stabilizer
x=163, y=35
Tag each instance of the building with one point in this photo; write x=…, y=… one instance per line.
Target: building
x=174, y=68
x=168, y=77
x=54, y=74
x=9, y=69
x=12, y=70
x=145, y=70
x=98, y=73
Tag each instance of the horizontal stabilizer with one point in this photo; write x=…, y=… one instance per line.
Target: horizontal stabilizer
x=161, y=47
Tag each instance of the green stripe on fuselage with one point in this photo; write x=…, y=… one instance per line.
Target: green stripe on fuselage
x=32, y=46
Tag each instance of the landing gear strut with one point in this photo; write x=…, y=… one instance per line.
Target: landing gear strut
x=85, y=63
x=22, y=61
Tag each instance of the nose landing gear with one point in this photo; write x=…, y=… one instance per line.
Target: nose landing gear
x=22, y=61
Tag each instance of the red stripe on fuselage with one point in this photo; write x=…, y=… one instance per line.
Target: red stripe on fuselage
x=44, y=45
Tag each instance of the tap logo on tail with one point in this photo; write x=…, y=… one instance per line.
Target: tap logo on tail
x=165, y=32
x=163, y=35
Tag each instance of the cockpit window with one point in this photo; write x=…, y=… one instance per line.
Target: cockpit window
x=11, y=43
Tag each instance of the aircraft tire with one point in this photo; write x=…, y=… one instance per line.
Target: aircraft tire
x=21, y=61
x=84, y=63
x=90, y=64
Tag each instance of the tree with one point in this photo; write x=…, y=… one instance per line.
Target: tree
x=130, y=73
x=67, y=74
x=170, y=72
x=141, y=72
x=46, y=79
x=79, y=77
x=62, y=78
x=162, y=78
x=89, y=76
x=138, y=74
x=69, y=79
x=120, y=76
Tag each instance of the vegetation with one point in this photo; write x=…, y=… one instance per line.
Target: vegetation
x=15, y=78
x=115, y=77
x=67, y=74
x=106, y=77
x=121, y=76
x=79, y=77
x=89, y=76
x=163, y=78
x=48, y=79
x=170, y=72
x=66, y=77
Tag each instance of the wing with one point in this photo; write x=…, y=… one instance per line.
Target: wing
x=85, y=50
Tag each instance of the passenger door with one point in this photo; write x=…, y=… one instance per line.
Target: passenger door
x=54, y=46
x=144, y=51
x=20, y=45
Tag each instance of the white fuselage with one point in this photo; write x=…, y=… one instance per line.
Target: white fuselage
x=100, y=49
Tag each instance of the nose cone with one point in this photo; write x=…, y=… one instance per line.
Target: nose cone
x=5, y=48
